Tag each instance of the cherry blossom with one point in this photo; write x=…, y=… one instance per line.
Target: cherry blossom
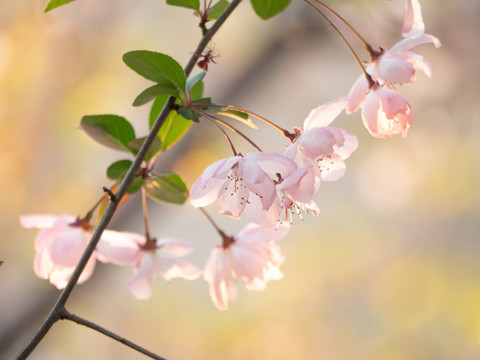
x=252, y=255
x=242, y=184
x=399, y=64
x=157, y=257
x=321, y=146
x=295, y=196
x=384, y=111
x=59, y=246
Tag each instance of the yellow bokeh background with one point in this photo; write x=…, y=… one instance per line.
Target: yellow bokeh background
x=390, y=270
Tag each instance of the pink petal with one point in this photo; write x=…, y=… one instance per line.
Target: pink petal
x=44, y=221
x=265, y=218
x=204, y=195
x=413, y=25
x=254, y=233
x=140, y=285
x=67, y=247
x=357, y=94
x=170, y=268
x=273, y=163
x=407, y=44
x=174, y=246
x=121, y=248
x=217, y=273
x=233, y=199
x=42, y=264
x=394, y=69
x=325, y=114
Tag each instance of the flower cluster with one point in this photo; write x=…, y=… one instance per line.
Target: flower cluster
x=385, y=112
x=268, y=187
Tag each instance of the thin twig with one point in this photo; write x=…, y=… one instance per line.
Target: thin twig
x=53, y=316
x=66, y=315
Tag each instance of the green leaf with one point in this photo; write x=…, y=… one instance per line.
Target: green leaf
x=118, y=169
x=174, y=127
x=56, y=3
x=152, y=151
x=267, y=9
x=110, y=130
x=155, y=91
x=137, y=184
x=189, y=4
x=197, y=91
x=117, y=172
x=194, y=79
x=217, y=10
x=167, y=188
x=188, y=114
x=1, y=263
x=157, y=67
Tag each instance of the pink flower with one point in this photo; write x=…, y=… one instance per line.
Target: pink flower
x=384, y=111
x=399, y=64
x=295, y=195
x=252, y=255
x=241, y=184
x=59, y=246
x=321, y=146
x=156, y=258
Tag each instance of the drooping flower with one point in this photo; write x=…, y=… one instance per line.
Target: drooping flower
x=252, y=255
x=59, y=246
x=399, y=64
x=384, y=111
x=157, y=257
x=321, y=146
x=241, y=184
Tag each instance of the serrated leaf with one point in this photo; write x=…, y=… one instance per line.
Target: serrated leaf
x=217, y=10
x=110, y=130
x=174, y=127
x=194, y=79
x=118, y=169
x=155, y=91
x=167, y=188
x=267, y=9
x=156, y=67
x=56, y=3
x=152, y=151
x=189, y=4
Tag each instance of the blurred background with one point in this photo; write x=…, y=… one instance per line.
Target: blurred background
x=389, y=270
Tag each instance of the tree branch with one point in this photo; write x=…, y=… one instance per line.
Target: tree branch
x=53, y=316
x=66, y=315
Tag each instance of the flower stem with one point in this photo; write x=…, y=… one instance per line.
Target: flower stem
x=224, y=123
x=145, y=216
x=352, y=29
x=214, y=224
x=125, y=184
x=214, y=122
x=355, y=56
